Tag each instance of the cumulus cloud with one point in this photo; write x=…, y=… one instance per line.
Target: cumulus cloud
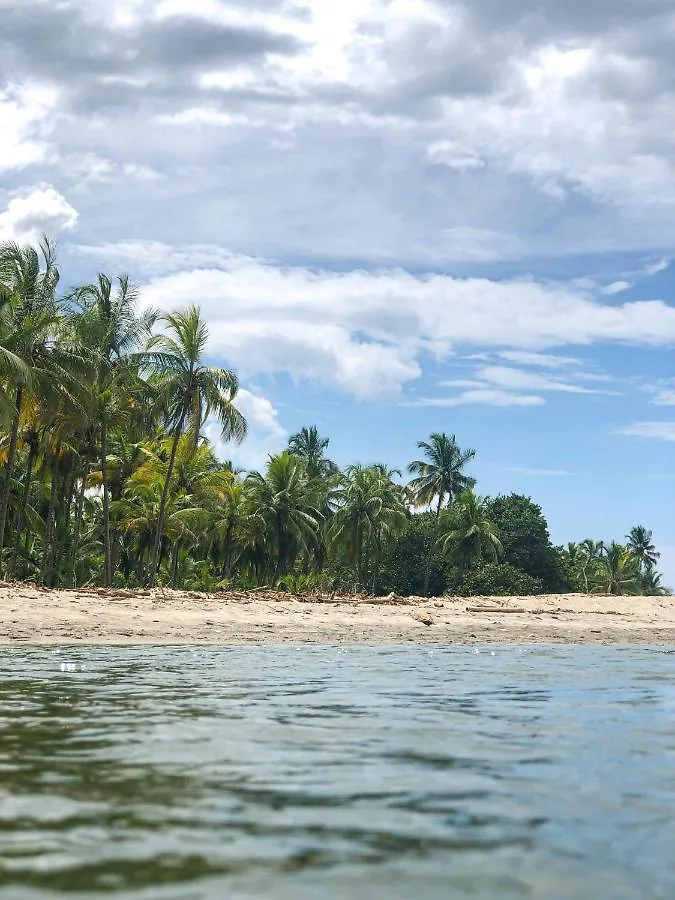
x=368, y=333
x=266, y=434
x=662, y=431
x=465, y=125
x=42, y=210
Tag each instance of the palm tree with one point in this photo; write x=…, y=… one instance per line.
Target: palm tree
x=642, y=547
x=189, y=392
x=620, y=570
x=370, y=510
x=108, y=324
x=28, y=315
x=440, y=477
x=281, y=500
x=310, y=447
x=469, y=533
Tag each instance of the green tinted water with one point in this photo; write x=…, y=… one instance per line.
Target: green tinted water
x=363, y=773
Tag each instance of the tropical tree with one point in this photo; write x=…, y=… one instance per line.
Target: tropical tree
x=641, y=545
x=310, y=447
x=619, y=572
x=440, y=477
x=33, y=363
x=468, y=533
x=281, y=502
x=108, y=324
x=370, y=511
x=189, y=392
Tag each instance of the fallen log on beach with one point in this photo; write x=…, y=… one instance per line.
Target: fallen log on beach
x=496, y=609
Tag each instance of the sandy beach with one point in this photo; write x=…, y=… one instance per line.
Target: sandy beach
x=32, y=615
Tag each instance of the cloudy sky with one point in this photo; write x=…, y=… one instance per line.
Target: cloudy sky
x=398, y=216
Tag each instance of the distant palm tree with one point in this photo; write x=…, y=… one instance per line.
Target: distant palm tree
x=310, y=447
x=440, y=477
x=620, y=570
x=189, y=392
x=642, y=547
x=370, y=511
x=469, y=534
x=282, y=501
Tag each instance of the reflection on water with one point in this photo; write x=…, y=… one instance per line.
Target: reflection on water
x=284, y=773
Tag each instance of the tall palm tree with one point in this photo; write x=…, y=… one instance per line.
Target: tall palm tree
x=469, y=533
x=108, y=323
x=281, y=500
x=28, y=317
x=310, y=447
x=642, y=547
x=189, y=392
x=370, y=509
x=440, y=477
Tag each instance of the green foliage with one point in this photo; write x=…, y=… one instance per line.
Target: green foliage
x=497, y=579
x=525, y=540
x=416, y=566
x=106, y=476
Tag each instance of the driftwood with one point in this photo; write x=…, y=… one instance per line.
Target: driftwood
x=496, y=609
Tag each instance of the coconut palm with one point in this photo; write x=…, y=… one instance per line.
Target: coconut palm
x=189, y=392
x=310, y=447
x=370, y=510
x=281, y=501
x=107, y=322
x=619, y=571
x=32, y=360
x=642, y=547
x=468, y=533
x=440, y=477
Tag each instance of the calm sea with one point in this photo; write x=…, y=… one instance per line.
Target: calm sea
x=289, y=773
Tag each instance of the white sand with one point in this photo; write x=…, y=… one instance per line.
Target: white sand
x=31, y=615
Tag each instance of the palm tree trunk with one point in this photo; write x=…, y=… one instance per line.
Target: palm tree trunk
x=47, y=549
x=427, y=571
x=32, y=456
x=9, y=468
x=155, y=559
x=79, y=510
x=174, y=563
x=107, y=571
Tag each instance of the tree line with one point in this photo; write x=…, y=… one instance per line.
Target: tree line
x=106, y=477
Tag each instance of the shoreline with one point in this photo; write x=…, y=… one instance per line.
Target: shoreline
x=34, y=616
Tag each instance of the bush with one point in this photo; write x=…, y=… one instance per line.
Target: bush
x=500, y=580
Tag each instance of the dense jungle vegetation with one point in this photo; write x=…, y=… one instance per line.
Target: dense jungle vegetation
x=106, y=477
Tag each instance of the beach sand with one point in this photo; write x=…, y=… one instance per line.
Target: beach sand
x=32, y=615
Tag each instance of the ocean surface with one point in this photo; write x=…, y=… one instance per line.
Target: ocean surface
x=289, y=773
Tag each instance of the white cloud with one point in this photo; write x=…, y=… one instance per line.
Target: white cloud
x=366, y=332
x=664, y=397
x=540, y=473
x=42, y=210
x=479, y=397
x=23, y=113
x=454, y=156
x=616, y=287
x=662, y=431
x=266, y=434
x=544, y=360
x=517, y=379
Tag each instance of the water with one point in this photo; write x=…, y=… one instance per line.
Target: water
x=270, y=772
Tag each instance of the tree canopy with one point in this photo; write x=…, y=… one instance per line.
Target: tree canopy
x=107, y=476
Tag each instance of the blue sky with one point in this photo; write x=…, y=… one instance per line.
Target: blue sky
x=397, y=216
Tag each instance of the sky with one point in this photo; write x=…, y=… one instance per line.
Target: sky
x=398, y=217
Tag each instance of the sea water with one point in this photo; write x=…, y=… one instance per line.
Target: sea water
x=368, y=772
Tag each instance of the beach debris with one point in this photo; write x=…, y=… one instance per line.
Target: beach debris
x=496, y=609
x=424, y=618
